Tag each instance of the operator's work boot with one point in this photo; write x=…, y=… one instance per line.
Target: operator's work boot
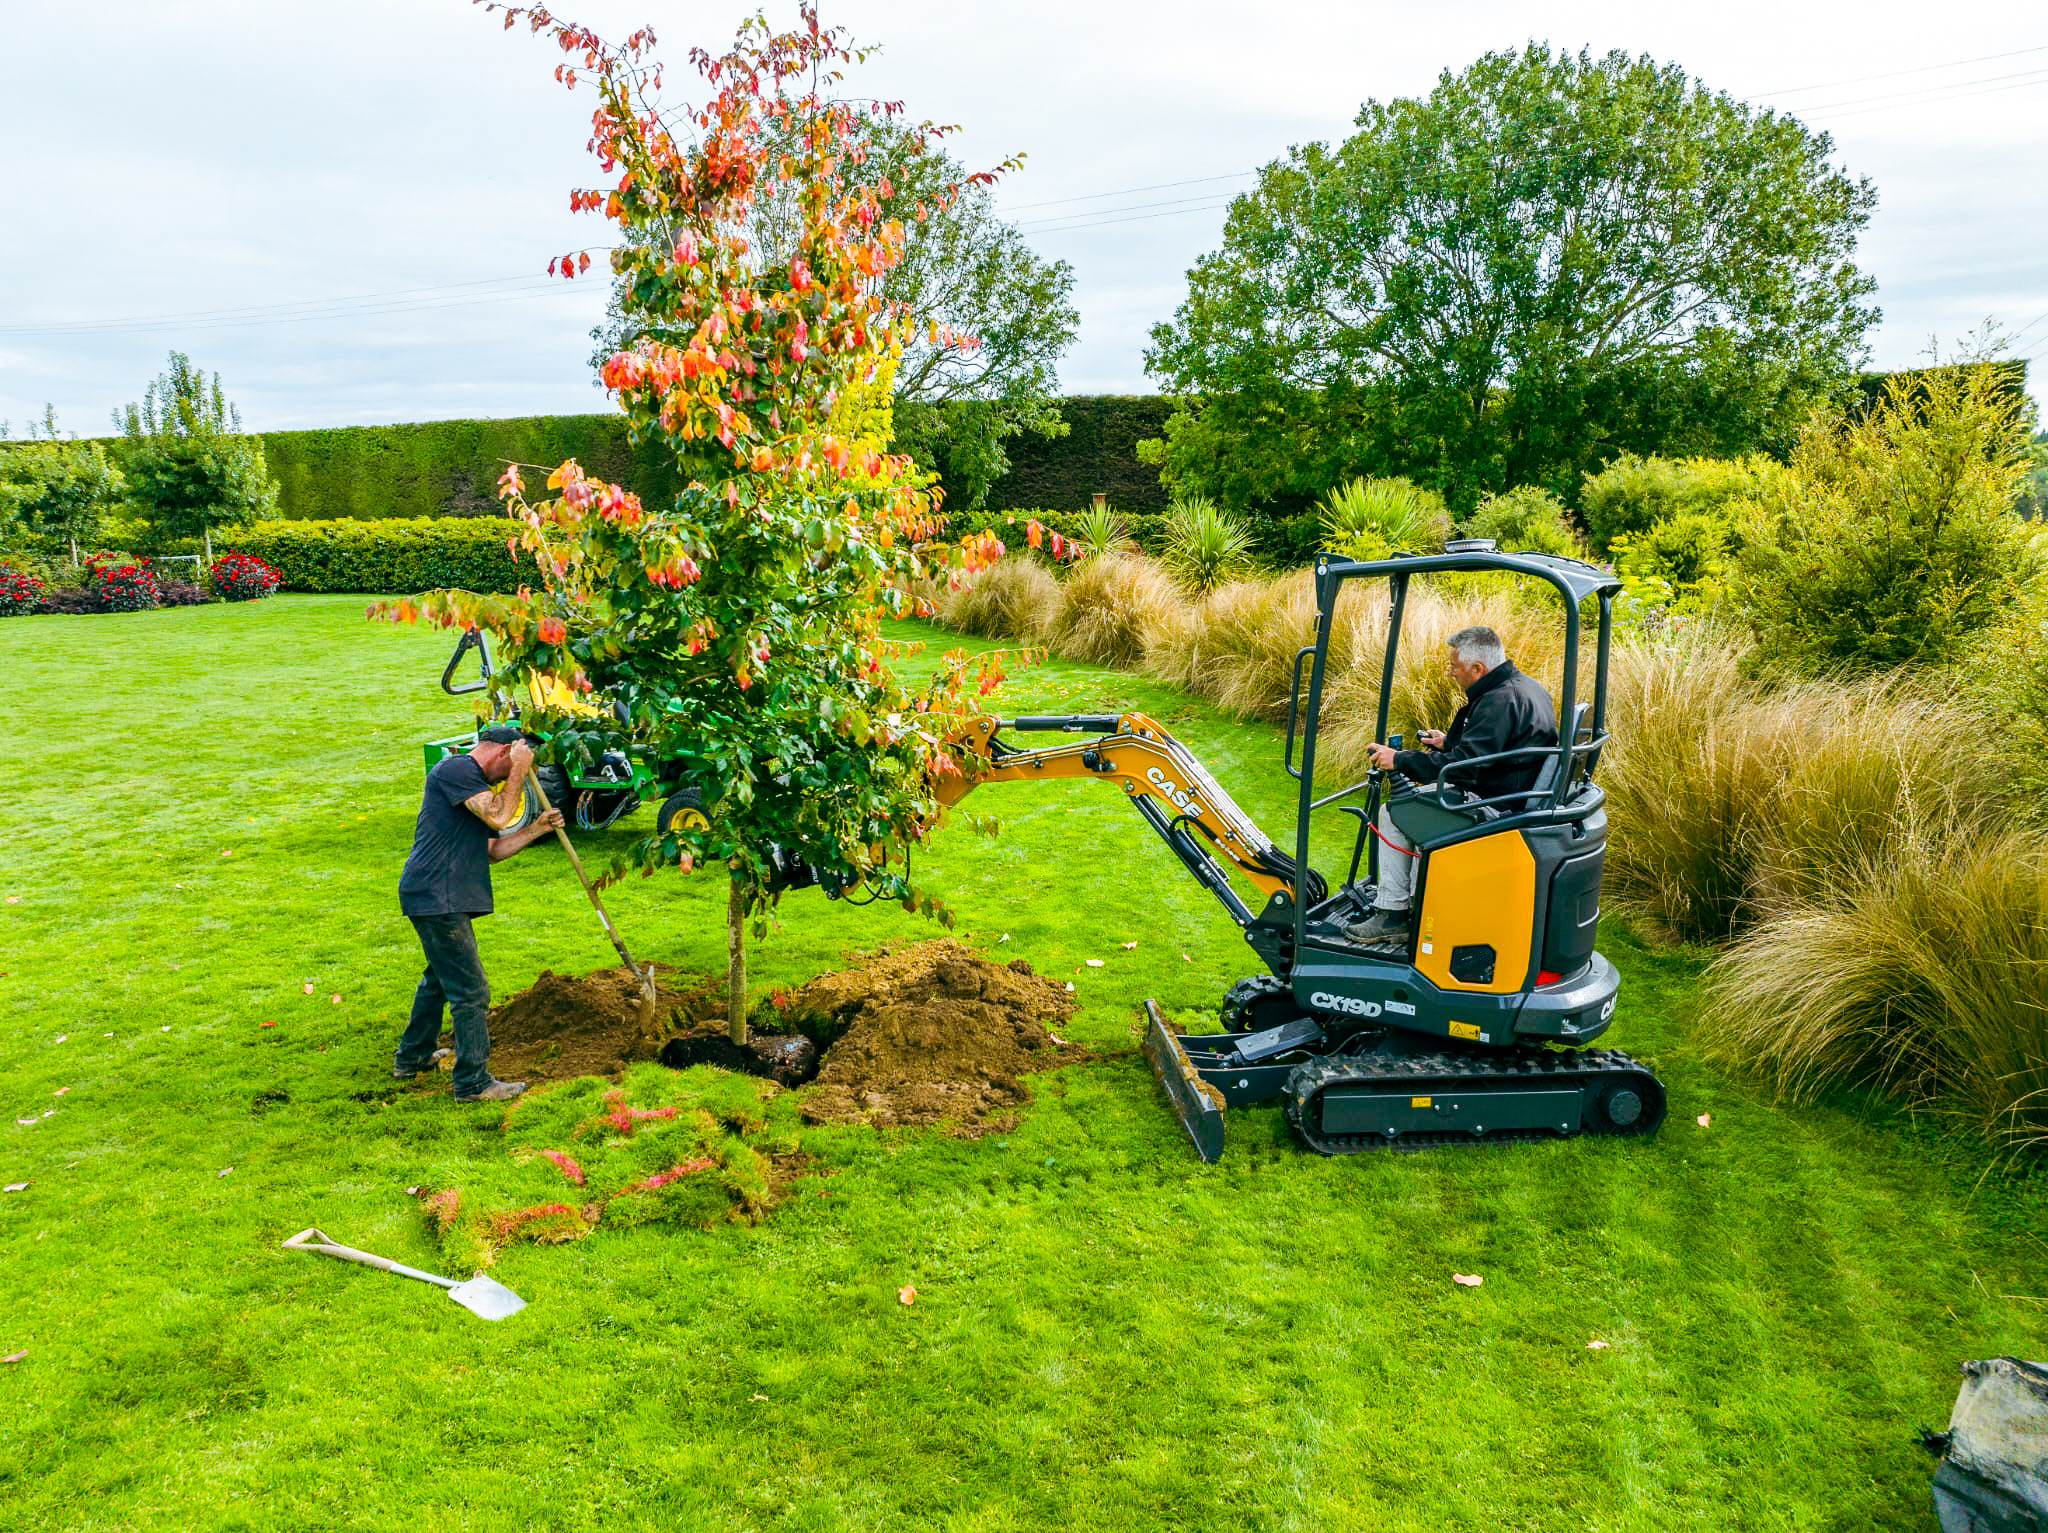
x=401, y=1073
x=1380, y=927
x=497, y=1091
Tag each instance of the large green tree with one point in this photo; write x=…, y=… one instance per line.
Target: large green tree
x=1551, y=258
x=993, y=316
x=190, y=467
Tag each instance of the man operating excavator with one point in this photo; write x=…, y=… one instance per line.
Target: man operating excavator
x=1504, y=711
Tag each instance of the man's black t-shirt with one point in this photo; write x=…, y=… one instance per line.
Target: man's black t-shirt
x=449, y=871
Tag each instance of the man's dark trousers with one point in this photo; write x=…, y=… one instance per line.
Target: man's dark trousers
x=454, y=978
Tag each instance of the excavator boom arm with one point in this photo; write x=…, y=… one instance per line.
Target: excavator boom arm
x=1163, y=780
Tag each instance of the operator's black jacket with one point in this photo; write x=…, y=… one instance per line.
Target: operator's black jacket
x=1503, y=711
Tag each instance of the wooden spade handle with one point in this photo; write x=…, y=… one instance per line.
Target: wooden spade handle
x=562, y=835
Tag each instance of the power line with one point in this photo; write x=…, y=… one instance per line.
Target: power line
x=1894, y=74
x=1961, y=95
x=1209, y=201
x=1131, y=191
x=1966, y=86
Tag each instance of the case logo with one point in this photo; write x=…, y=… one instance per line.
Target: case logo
x=1172, y=791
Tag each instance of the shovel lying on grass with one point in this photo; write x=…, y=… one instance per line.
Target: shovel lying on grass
x=648, y=995
x=480, y=1295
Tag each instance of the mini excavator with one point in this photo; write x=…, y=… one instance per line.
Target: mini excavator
x=1470, y=1028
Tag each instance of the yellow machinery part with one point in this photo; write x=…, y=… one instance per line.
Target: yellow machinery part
x=1142, y=759
x=1475, y=892
x=552, y=696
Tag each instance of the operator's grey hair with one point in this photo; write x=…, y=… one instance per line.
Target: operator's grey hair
x=1478, y=646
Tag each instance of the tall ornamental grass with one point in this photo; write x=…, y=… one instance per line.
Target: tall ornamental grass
x=1731, y=800
x=1924, y=976
x=1015, y=598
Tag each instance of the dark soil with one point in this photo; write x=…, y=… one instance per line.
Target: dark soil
x=788, y=1060
x=565, y=1026
x=931, y=1033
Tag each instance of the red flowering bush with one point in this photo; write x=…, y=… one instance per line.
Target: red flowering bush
x=244, y=577
x=121, y=586
x=19, y=594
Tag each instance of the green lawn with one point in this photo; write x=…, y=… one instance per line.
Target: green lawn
x=1108, y=1334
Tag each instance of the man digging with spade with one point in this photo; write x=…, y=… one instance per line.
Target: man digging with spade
x=446, y=884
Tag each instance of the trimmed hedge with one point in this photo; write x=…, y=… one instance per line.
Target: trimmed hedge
x=1098, y=455
x=445, y=468
x=389, y=556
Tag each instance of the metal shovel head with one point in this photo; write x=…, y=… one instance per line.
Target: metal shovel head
x=487, y=1297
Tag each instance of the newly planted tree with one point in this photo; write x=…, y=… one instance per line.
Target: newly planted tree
x=737, y=631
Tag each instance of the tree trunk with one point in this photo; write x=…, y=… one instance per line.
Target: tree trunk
x=207, y=533
x=736, y=966
x=74, y=553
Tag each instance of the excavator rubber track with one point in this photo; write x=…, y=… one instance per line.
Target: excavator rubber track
x=1416, y=1101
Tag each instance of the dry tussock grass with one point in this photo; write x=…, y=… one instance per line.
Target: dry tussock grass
x=1110, y=607
x=1923, y=976
x=1015, y=598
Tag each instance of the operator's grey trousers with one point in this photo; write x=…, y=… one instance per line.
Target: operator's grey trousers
x=1397, y=867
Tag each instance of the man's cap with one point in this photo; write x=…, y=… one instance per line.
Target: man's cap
x=499, y=734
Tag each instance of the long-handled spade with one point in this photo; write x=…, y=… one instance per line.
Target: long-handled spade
x=646, y=975
x=480, y=1295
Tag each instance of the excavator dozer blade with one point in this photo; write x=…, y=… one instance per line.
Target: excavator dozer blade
x=1197, y=1104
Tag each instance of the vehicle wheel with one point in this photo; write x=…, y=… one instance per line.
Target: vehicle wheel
x=529, y=809
x=1262, y=1001
x=681, y=810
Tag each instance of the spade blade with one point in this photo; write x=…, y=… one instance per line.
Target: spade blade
x=487, y=1297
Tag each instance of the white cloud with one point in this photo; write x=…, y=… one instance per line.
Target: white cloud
x=221, y=154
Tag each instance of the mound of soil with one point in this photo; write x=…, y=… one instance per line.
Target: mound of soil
x=565, y=1026
x=932, y=1032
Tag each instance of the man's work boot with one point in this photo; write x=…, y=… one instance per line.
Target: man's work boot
x=399, y=1072
x=1380, y=927
x=497, y=1091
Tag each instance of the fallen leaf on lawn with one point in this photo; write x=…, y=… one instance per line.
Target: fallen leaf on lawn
x=1070, y=984
x=309, y=987
x=60, y=1091
x=1467, y=1279
x=1094, y=963
x=28, y=1122
x=906, y=1294
x=412, y=1192
x=62, y=1038
x=17, y=1186
x=1185, y=959
x=1704, y=1119
x=1056, y=1038
x=764, y=1399
x=167, y=1028
x=1596, y=1345
x=1129, y=945
x=227, y=854
x=1005, y=937
x=14, y=899
x=224, y=1171
x=106, y=1035
x=15, y=1357
x=335, y=999
x=266, y=1024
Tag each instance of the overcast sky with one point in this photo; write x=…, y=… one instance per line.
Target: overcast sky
x=346, y=210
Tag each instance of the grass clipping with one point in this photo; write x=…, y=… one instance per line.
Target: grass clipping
x=932, y=1033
